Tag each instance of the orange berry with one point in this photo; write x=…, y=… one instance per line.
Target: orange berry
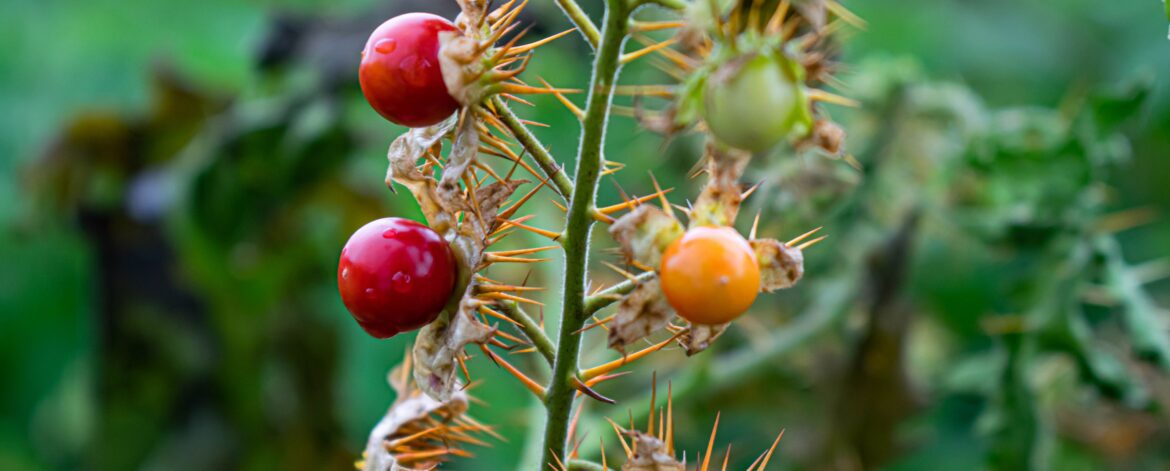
x=710, y=275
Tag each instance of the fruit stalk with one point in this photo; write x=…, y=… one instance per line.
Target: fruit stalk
x=561, y=390
x=539, y=153
x=581, y=21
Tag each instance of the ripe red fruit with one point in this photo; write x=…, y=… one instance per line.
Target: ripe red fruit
x=400, y=73
x=710, y=275
x=395, y=275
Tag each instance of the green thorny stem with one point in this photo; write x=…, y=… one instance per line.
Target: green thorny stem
x=561, y=388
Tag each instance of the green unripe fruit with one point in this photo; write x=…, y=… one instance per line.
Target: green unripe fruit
x=753, y=103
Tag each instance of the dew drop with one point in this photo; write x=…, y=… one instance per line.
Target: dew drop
x=370, y=292
x=724, y=280
x=390, y=233
x=345, y=273
x=401, y=282
x=385, y=45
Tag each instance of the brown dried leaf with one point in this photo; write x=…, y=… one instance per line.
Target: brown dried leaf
x=641, y=313
x=719, y=202
x=404, y=154
x=645, y=233
x=826, y=136
x=700, y=336
x=439, y=342
x=781, y=266
x=651, y=455
x=492, y=197
x=462, y=154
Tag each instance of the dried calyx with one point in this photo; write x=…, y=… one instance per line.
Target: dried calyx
x=646, y=234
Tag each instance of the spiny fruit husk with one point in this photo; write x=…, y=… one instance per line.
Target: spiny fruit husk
x=418, y=432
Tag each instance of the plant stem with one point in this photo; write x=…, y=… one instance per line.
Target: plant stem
x=671, y=4
x=581, y=21
x=582, y=465
x=561, y=390
x=531, y=329
x=539, y=153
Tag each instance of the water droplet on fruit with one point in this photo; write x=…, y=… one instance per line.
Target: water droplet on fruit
x=390, y=233
x=385, y=45
x=370, y=292
x=724, y=280
x=400, y=282
x=345, y=273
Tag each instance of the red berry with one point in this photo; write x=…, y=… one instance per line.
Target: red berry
x=400, y=72
x=395, y=275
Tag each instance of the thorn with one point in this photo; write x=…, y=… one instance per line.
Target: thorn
x=755, y=225
x=662, y=195
x=660, y=91
x=502, y=51
x=606, y=377
x=802, y=237
x=560, y=464
x=711, y=444
x=629, y=276
x=631, y=204
x=604, y=465
x=679, y=59
x=544, y=232
x=810, y=243
x=754, y=23
x=578, y=112
x=510, y=297
x=618, y=430
x=596, y=323
x=845, y=15
x=751, y=190
x=768, y=455
x=535, y=44
x=669, y=418
x=653, y=399
x=511, y=338
x=463, y=366
x=489, y=311
x=490, y=259
x=632, y=56
x=522, y=101
x=527, y=89
x=815, y=94
x=500, y=288
x=646, y=26
x=507, y=213
x=511, y=253
x=536, y=389
x=613, y=365
x=588, y=391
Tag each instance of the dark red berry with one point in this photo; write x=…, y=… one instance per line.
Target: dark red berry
x=395, y=275
x=400, y=72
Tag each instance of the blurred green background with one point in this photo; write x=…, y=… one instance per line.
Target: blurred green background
x=177, y=180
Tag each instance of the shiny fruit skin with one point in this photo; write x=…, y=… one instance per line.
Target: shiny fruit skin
x=710, y=275
x=400, y=72
x=755, y=105
x=395, y=275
